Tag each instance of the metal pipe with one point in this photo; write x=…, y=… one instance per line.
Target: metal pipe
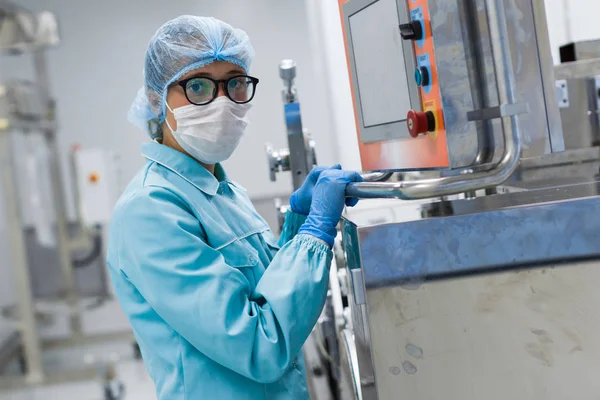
x=28, y=325
x=467, y=180
x=287, y=72
x=376, y=176
x=62, y=224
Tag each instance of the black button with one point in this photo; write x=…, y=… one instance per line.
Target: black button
x=412, y=31
x=430, y=121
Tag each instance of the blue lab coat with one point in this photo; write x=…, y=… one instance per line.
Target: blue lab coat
x=218, y=309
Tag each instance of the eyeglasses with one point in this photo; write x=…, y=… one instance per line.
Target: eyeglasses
x=202, y=90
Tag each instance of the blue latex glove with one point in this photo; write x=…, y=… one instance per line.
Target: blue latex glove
x=302, y=198
x=329, y=198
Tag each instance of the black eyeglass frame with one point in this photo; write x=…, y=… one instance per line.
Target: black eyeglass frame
x=217, y=83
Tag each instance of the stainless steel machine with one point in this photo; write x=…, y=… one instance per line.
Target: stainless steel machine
x=479, y=281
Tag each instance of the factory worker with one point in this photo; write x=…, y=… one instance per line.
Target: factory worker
x=219, y=308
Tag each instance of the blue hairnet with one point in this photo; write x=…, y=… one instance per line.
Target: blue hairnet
x=179, y=46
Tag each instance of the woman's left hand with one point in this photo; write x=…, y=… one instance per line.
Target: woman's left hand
x=302, y=198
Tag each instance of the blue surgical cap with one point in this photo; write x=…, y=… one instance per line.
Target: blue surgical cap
x=179, y=46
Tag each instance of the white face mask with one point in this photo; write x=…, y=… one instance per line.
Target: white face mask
x=212, y=132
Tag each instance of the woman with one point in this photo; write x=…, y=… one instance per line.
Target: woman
x=218, y=309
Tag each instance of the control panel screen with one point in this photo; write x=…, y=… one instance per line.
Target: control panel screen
x=380, y=65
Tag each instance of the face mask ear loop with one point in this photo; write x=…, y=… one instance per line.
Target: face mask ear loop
x=167, y=120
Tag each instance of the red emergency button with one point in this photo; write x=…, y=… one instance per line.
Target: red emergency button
x=420, y=122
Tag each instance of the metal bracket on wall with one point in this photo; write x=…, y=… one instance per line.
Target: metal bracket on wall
x=503, y=110
x=562, y=93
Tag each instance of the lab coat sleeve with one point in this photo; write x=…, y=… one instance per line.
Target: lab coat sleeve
x=291, y=226
x=211, y=304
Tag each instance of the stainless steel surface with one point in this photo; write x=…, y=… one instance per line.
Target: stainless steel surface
x=491, y=298
x=510, y=126
x=582, y=50
x=569, y=167
x=28, y=325
x=527, y=334
x=278, y=160
x=358, y=286
x=298, y=157
x=311, y=150
x=504, y=110
x=390, y=49
x=300, y=149
x=376, y=176
x=528, y=36
x=351, y=362
x=500, y=228
x=581, y=113
x=531, y=61
x=546, y=62
x=571, y=157
x=318, y=385
x=287, y=72
x=581, y=117
x=577, y=69
x=453, y=25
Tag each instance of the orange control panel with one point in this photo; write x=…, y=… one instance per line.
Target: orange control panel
x=426, y=148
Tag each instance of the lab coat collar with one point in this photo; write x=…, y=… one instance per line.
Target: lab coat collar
x=186, y=167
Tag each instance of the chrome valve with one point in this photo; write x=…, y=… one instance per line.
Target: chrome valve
x=279, y=160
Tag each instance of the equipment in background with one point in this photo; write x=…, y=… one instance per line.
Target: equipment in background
x=97, y=181
x=480, y=283
x=300, y=156
x=321, y=348
x=114, y=389
x=578, y=89
x=54, y=260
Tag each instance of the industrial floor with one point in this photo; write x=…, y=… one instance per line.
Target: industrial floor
x=132, y=374
x=130, y=371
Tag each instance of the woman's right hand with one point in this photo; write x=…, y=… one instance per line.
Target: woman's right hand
x=328, y=200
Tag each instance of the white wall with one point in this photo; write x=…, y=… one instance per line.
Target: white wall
x=327, y=42
x=571, y=21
